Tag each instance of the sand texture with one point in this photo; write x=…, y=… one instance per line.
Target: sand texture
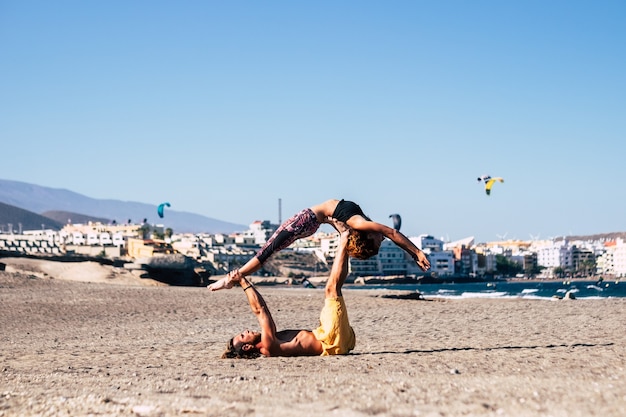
x=73, y=344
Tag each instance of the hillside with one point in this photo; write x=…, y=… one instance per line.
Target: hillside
x=295, y=264
x=597, y=236
x=14, y=218
x=38, y=199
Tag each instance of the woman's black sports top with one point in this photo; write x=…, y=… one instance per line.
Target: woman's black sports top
x=346, y=209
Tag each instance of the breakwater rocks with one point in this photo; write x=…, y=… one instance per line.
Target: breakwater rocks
x=173, y=269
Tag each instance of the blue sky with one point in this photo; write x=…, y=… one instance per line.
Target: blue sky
x=222, y=108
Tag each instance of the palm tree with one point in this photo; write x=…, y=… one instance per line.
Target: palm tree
x=558, y=271
x=588, y=265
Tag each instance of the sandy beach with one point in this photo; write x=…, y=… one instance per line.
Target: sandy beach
x=86, y=339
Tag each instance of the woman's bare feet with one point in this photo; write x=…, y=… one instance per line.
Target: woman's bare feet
x=221, y=284
x=227, y=282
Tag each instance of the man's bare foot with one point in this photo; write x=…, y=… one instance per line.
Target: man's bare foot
x=339, y=225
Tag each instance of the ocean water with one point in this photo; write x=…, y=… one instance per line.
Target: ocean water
x=511, y=289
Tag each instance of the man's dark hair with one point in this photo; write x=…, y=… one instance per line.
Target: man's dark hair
x=232, y=352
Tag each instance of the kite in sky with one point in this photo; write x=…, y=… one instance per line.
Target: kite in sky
x=489, y=181
x=397, y=221
x=161, y=207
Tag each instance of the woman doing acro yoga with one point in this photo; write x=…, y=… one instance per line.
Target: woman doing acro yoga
x=364, y=241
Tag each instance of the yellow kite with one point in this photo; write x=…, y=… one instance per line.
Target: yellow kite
x=489, y=181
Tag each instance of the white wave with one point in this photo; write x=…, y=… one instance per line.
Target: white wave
x=536, y=297
x=500, y=295
x=574, y=290
x=494, y=294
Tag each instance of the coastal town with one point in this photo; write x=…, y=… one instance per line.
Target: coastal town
x=457, y=260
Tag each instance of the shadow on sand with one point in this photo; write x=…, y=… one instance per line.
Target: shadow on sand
x=454, y=349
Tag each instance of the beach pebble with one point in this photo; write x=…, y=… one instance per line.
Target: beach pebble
x=454, y=371
x=143, y=410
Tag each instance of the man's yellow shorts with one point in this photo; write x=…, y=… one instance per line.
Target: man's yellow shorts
x=335, y=332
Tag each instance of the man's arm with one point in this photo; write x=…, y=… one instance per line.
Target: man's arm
x=261, y=311
x=299, y=342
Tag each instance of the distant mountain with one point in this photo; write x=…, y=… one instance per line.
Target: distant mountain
x=15, y=219
x=38, y=199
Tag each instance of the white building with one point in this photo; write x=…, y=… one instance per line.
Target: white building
x=619, y=258
x=329, y=243
x=260, y=231
x=223, y=240
x=392, y=259
x=226, y=259
x=439, y=254
x=605, y=263
x=425, y=242
x=366, y=267
x=490, y=263
x=554, y=254
x=441, y=263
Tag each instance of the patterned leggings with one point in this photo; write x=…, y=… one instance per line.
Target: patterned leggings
x=301, y=225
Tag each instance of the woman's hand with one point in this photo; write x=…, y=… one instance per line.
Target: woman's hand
x=422, y=261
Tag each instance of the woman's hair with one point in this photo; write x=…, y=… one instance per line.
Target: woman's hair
x=232, y=352
x=360, y=246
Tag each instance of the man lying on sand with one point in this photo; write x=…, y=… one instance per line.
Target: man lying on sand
x=335, y=336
